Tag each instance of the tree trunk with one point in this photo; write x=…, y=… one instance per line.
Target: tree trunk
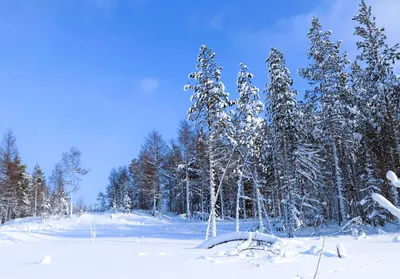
x=221, y=197
x=239, y=187
x=188, y=214
x=35, y=201
x=261, y=227
x=72, y=191
x=244, y=204
x=338, y=181
x=212, y=220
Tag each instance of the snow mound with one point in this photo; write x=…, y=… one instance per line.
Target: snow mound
x=316, y=250
x=396, y=239
x=46, y=260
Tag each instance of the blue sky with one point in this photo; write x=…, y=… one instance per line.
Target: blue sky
x=101, y=74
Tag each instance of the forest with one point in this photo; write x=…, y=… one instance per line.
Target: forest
x=287, y=162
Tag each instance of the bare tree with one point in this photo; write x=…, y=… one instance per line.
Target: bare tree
x=73, y=171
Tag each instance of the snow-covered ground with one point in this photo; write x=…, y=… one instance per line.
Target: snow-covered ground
x=128, y=246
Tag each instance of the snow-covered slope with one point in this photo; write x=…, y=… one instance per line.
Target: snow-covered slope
x=128, y=246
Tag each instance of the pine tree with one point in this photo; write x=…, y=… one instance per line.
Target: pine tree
x=208, y=110
x=249, y=133
x=282, y=113
x=39, y=192
x=371, y=212
x=329, y=80
x=127, y=203
x=378, y=83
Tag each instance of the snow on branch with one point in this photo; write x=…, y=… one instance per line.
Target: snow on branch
x=383, y=201
x=386, y=204
x=240, y=236
x=393, y=178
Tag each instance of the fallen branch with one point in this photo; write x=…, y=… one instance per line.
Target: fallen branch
x=240, y=236
x=355, y=219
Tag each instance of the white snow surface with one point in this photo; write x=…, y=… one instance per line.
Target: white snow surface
x=138, y=245
x=46, y=259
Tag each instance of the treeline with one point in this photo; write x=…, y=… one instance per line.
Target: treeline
x=23, y=194
x=287, y=163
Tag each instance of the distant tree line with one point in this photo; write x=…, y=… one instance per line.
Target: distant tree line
x=23, y=194
x=287, y=163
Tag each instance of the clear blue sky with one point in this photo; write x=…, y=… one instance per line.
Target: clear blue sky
x=101, y=74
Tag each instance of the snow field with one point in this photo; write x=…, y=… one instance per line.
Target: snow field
x=134, y=245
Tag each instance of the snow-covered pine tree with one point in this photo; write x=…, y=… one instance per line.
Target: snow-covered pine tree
x=249, y=132
x=112, y=189
x=208, y=110
x=328, y=79
x=127, y=203
x=282, y=113
x=372, y=213
x=380, y=102
x=352, y=128
x=38, y=191
x=118, y=187
x=20, y=181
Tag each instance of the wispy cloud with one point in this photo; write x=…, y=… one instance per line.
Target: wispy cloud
x=290, y=34
x=216, y=22
x=149, y=84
